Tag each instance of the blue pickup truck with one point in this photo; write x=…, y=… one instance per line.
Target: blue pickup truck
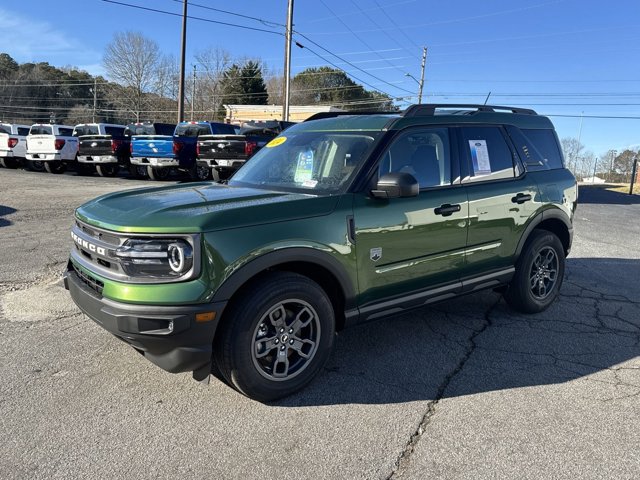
x=160, y=152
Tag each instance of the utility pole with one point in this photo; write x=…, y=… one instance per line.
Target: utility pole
x=193, y=91
x=182, y=57
x=634, y=172
x=287, y=63
x=95, y=98
x=424, y=61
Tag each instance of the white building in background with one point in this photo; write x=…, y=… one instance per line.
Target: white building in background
x=245, y=113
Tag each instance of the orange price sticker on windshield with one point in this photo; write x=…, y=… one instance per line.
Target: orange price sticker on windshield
x=276, y=141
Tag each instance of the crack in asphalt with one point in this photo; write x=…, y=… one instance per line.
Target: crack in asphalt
x=403, y=459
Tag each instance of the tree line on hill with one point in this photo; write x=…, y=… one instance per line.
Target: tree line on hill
x=142, y=85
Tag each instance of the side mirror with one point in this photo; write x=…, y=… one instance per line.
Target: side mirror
x=396, y=185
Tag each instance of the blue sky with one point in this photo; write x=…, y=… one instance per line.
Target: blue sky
x=565, y=58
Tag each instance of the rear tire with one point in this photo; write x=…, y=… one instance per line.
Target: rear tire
x=200, y=173
x=138, y=172
x=158, y=173
x=539, y=273
x=108, y=169
x=215, y=175
x=9, y=162
x=277, y=338
x=84, y=169
x=34, y=165
x=55, y=166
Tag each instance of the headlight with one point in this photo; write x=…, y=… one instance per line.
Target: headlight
x=156, y=258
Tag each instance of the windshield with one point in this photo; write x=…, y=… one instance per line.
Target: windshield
x=81, y=130
x=313, y=162
x=5, y=129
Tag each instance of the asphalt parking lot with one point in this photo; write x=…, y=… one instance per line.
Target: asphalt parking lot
x=465, y=389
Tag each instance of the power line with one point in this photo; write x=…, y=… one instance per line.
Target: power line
x=356, y=35
x=335, y=66
x=155, y=10
x=391, y=37
x=345, y=61
x=400, y=29
x=261, y=20
x=453, y=20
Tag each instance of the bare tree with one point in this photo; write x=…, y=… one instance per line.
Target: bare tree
x=572, y=149
x=132, y=60
x=212, y=63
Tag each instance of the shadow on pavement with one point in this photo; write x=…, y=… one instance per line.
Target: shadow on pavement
x=477, y=344
x=600, y=194
x=4, y=210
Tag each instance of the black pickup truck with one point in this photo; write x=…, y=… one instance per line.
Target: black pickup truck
x=225, y=153
x=104, y=146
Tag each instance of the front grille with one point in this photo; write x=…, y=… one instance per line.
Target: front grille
x=97, y=247
x=91, y=282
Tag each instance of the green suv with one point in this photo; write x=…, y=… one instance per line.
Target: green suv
x=342, y=219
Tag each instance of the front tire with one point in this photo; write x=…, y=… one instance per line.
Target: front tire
x=55, y=166
x=158, y=173
x=108, y=169
x=277, y=338
x=539, y=274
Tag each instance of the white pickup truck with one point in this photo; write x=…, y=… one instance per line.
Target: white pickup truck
x=54, y=145
x=13, y=144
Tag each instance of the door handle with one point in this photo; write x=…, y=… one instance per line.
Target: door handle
x=521, y=198
x=447, y=209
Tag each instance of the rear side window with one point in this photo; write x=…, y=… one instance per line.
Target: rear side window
x=546, y=143
x=192, y=130
x=140, y=130
x=65, y=132
x=223, y=129
x=81, y=130
x=163, y=129
x=23, y=131
x=4, y=129
x=485, y=154
x=41, y=130
x=114, y=131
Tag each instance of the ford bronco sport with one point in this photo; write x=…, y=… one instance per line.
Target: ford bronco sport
x=341, y=219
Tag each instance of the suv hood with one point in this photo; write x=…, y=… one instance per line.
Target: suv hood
x=198, y=207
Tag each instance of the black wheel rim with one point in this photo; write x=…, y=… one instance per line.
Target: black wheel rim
x=543, y=275
x=285, y=340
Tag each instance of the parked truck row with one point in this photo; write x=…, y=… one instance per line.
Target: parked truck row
x=201, y=150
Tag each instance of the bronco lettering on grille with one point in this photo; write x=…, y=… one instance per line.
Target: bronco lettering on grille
x=88, y=246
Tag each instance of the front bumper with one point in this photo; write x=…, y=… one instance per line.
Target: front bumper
x=44, y=157
x=155, y=162
x=97, y=159
x=168, y=336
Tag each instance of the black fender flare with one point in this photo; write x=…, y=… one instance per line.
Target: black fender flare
x=552, y=213
x=286, y=255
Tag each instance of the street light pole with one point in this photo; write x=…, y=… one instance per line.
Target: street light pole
x=183, y=48
x=287, y=63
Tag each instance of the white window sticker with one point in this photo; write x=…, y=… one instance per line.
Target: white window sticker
x=480, y=157
x=304, y=167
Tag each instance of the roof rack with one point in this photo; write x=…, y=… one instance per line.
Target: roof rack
x=320, y=115
x=430, y=109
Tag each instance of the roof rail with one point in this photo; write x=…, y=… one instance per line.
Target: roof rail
x=321, y=115
x=430, y=109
